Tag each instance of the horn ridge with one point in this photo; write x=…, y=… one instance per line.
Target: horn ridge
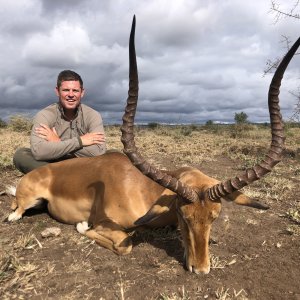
x=130, y=149
x=274, y=153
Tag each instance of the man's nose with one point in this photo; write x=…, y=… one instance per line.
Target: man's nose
x=70, y=94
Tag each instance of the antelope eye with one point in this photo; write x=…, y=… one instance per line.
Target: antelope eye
x=183, y=216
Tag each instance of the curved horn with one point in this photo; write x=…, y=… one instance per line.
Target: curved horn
x=274, y=154
x=127, y=138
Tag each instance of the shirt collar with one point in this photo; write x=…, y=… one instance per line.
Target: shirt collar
x=61, y=110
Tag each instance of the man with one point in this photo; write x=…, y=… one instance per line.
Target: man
x=63, y=130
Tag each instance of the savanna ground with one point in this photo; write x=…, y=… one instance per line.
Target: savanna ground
x=254, y=254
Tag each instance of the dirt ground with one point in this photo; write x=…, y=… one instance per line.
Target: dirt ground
x=254, y=256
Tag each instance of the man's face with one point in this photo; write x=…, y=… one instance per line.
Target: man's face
x=69, y=94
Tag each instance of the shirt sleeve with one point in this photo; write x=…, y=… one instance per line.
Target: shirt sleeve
x=45, y=150
x=94, y=123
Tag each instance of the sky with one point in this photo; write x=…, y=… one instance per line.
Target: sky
x=198, y=60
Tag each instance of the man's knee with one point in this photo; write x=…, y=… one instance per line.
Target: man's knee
x=24, y=161
x=20, y=155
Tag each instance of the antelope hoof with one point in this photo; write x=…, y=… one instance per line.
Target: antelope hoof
x=82, y=227
x=197, y=271
x=14, y=217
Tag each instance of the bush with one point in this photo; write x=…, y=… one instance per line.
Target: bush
x=216, y=128
x=209, y=123
x=242, y=130
x=20, y=123
x=185, y=131
x=288, y=125
x=2, y=123
x=241, y=118
x=152, y=125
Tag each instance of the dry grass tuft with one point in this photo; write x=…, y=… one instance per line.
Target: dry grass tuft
x=20, y=123
x=217, y=263
x=27, y=241
x=224, y=294
x=294, y=215
x=180, y=295
x=10, y=141
x=16, y=276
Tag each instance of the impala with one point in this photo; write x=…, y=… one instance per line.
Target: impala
x=110, y=195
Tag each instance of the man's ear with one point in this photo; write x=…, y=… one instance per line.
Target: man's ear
x=57, y=91
x=162, y=206
x=82, y=92
x=241, y=199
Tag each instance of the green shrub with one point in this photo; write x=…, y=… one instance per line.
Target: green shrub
x=2, y=123
x=20, y=123
x=220, y=129
x=153, y=125
x=186, y=130
x=241, y=118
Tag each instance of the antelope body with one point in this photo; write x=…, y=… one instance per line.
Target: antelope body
x=109, y=195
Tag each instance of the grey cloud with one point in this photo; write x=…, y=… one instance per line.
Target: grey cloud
x=197, y=61
x=62, y=5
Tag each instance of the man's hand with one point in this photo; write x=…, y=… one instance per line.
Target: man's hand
x=92, y=138
x=47, y=133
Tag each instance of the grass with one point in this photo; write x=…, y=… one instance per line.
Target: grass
x=165, y=147
x=180, y=295
x=16, y=275
x=294, y=215
x=27, y=241
x=190, y=145
x=20, y=123
x=184, y=144
x=217, y=263
x=223, y=293
x=10, y=141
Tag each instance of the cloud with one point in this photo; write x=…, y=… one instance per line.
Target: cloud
x=197, y=61
x=66, y=44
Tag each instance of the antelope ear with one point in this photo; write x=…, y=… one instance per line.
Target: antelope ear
x=241, y=199
x=161, y=207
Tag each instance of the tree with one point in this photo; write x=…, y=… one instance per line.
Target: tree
x=292, y=12
x=296, y=115
x=241, y=118
x=282, y=13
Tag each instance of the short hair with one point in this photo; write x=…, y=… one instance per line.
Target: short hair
x=68, y=75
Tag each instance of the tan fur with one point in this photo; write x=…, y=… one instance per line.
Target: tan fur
x=112, y=196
